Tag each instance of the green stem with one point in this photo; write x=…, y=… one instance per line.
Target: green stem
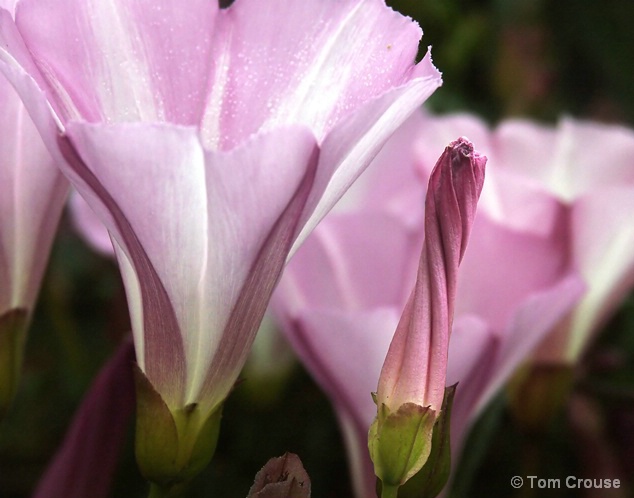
x=389, y=491
x=157, y=491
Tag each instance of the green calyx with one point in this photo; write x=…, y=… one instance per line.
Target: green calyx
x=400, y=442
x=172, y=446
x=428, y=475
x=432, y=477
x=13, y=326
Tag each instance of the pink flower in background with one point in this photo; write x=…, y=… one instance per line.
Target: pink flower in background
x=32, y=194
x=340, y=299
x=210, y=142
x=579, y=170
x=31, y=198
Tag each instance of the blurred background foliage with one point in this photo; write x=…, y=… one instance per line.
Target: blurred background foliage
x=499, y=58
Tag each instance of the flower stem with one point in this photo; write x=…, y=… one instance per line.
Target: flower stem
x=389, y=491
x=157, y=491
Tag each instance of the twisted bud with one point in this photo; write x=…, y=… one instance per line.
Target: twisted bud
x=412, y=381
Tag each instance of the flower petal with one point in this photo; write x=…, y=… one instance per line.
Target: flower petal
x=473, y=348
x=89, y=226
x=508, y=196
x=564, y=162
x=355, y=439
x=324, y=339
x=352, y=144
x=533, y=320
x=15, y=54
x=256, y=195
x=312, y=65
x=122, y=60
x=604, y=253
x=355, y=262
x=218, y=207
x=415, y=366
x=165, y=168
x=32, y=194
x=502, y=266
x=392, y=182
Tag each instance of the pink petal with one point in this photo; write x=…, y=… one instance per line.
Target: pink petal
x=165, y=168
x=16, y=59
x=526, y=149
x=509, y=196
x=352, y=144
x=533, y=320
x=216, y=213
x=32, y=194
x=352, y=261
x=502, y=266
x=89, y=226
x=434, y=132
x=355, y=439
x=107, y=61
x=473, y=349
x=392, y=182
x=471, y=338
x=8, y=5
x=324, y=340
x=481, y=359
x=256, y=195
x=122, y=60
x=604, y=253
x=565, y=162
x=310, y=62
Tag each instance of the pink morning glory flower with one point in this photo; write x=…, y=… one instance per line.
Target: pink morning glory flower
x=210, y=142
x=574, y=181
x=341, y=297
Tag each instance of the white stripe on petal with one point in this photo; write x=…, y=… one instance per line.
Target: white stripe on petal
x=126, y=92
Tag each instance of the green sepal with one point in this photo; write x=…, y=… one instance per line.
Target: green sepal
x=172, y=446
x=205, y=445
x=156, y=441
x=13, y=326
x=400, y=442
x=432, y=478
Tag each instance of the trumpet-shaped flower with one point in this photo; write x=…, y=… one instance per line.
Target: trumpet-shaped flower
x=580, y=170
x=210, y=142
x=32, y=193
x=340, y=298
